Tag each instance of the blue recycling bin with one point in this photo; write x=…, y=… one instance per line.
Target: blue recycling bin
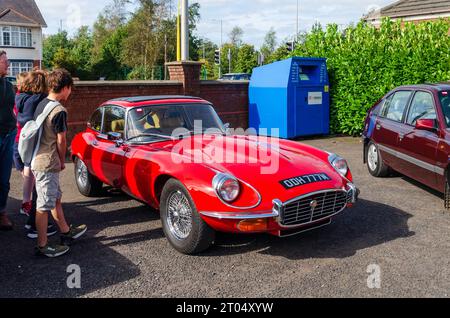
x=291, y=95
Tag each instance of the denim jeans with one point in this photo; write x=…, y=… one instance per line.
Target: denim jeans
x=6, y=162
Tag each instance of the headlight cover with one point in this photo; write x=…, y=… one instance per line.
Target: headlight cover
x=339, y=164
x=227, y=187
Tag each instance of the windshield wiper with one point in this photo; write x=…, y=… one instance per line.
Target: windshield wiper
x=152, y=135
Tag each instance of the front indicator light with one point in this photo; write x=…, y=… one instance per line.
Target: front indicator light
x=254, y=225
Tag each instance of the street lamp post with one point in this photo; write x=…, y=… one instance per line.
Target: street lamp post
x=184, y=30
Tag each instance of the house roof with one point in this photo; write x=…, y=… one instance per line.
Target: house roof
x=21, y=11
x=409, y=8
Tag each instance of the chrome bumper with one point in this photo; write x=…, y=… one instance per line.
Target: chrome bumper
x=352, y=197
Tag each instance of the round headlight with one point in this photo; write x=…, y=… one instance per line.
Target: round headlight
x=226, y=186
x=340, y=164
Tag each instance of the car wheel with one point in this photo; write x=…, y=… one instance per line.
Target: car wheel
x=447, y=196
x=377, y=167
x=182, y=225
x=87, y=184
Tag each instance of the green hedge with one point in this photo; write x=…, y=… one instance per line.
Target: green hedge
x=365, y=63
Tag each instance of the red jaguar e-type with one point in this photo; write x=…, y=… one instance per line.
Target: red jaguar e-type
x=175, y=154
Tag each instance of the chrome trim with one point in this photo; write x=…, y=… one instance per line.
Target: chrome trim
x=219, y=180
x=354, y=190
x=228, y=204
x=331, y=158
x=417, y=162
x=350, y=185
x=239, y=215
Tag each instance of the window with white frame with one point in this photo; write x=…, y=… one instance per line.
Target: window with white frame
x=15, y=36
x=17, y=67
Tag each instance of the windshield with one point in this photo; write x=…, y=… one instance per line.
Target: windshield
x=157, y=122
x=445, y=104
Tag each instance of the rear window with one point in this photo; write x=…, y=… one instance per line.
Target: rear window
x=444, y=97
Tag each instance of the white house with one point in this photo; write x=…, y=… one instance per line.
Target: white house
x=21, y=24
x=411, y=11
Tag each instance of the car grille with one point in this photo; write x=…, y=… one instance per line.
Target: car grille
x=302, y=211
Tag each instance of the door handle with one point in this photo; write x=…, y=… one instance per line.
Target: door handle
x=378, y=126
x=401, y=136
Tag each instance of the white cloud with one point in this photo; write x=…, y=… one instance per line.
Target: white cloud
x=255, y=17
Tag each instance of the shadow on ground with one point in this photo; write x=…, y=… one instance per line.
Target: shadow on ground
x=24, y=275
x=367, y=225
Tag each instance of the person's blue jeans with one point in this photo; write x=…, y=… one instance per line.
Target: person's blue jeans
x=6, y=162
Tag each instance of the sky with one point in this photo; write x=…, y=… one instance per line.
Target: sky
x=255, y=17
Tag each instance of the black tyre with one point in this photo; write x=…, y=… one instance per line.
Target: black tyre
x=375, y=164
x=182, y=225
x=87, y=184
x=447, y=196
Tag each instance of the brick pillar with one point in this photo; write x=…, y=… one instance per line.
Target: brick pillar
x=187, y=72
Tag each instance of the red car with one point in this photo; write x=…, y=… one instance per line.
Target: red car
x=408, y=131
x=151, y=148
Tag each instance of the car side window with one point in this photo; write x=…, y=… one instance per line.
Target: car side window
x=96, y=120
x=395, y=107
x=422, y=107
x=114, y=120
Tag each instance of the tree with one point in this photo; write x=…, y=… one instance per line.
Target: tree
x=247, y=59
x=55, y=44
x=269, y=45
x=110, y=62
x=236, y=36
x=234, y=50
x=206, y=53
x=81, y=53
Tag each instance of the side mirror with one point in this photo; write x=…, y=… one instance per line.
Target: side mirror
x=116, y=137
x=426, y=124
x=227, y=127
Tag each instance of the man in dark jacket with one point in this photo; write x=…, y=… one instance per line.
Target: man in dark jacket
x=7, y=136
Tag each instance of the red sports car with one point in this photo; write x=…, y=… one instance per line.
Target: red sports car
x=205, y=179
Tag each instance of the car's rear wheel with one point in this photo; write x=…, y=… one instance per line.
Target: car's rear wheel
x=377, y=167
x=447, y=195
x=182, y=225
x=87, y=184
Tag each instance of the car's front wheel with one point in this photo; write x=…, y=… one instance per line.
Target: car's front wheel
x=87, y=184
x=377, y=167
x=182, y=225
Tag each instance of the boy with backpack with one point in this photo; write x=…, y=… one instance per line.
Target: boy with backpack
x=32, y=91
x=48, y=132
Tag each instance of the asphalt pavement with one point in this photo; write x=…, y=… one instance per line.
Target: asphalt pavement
x=398, y=230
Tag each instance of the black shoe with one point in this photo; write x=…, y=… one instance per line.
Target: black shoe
x=74, y=234
x=51, y=251
x=33, y=234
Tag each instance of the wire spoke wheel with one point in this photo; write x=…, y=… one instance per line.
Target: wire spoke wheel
x=82, y=174
x=372, y=157
x=179, y=216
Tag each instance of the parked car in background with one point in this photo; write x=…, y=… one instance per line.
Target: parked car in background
x=130, y=144
x=408, y=131
x=236, y=77
x=11, y=79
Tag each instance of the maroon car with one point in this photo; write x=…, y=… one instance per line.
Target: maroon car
x=408, y=131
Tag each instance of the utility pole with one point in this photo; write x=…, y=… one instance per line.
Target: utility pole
x=178, y=32
x=220, y=50
x=229, y=60
x=297, y=32
x=165, y=56
x=184, y=30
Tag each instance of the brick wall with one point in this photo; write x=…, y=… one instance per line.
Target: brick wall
x=229, y=98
